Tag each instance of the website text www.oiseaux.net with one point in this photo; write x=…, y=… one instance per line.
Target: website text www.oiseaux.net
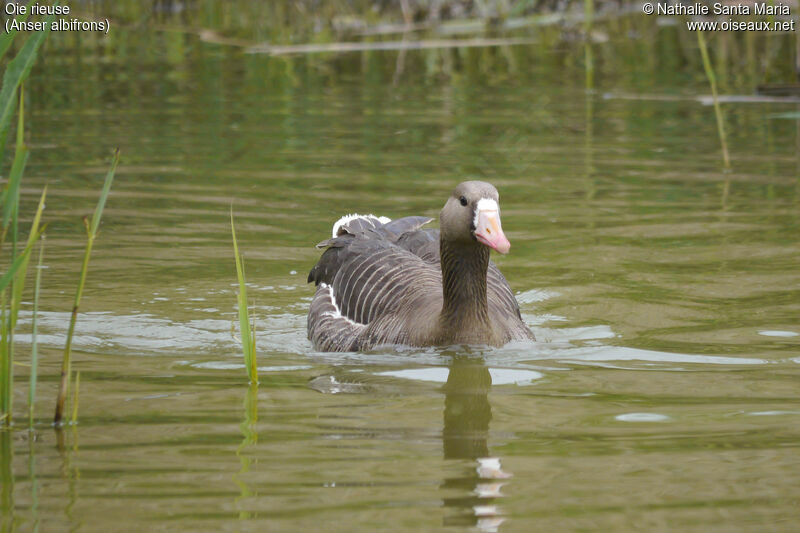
x=770, y=10
x=740, y=25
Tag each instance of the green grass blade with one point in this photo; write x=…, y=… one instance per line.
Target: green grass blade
x=244, y=322
x=16, y=72
x=19, y=282
x=8, y=276
x=7, y=38
x=248, y=339
x=66, y=364
x=712, y=80
x=101, y=203
x=10, y=199
x=11, y=192
x=6, y=346
x=34, y=346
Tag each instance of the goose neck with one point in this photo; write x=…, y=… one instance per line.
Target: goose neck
x=464, y=268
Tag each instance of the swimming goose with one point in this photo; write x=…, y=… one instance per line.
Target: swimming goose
x=382, y=282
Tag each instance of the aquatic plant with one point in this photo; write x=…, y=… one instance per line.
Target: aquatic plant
x=13, y=279
x=712, y=80
x=588, y=14
x=246, y=330
x=75, y=398
x=91, y=231
x=34, y=370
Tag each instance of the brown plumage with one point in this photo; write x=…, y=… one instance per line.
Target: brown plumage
x=393, y=283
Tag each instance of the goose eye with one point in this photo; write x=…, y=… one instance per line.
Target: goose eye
x=463, y=200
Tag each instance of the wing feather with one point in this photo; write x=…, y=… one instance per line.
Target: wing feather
x=371, y=286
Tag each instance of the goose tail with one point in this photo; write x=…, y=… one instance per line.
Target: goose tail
x=356, y=223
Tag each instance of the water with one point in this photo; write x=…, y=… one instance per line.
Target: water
x=665, y=295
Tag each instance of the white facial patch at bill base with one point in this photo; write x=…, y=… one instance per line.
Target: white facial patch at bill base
x=484, y=204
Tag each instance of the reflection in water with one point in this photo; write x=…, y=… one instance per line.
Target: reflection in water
x=588, y=140
x=250, y=437
x=33, y=481
x=467, y=414
x=6, y=482
x=9, y=520
x=69, y=471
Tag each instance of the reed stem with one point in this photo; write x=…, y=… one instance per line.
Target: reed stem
x=34, y=331
x=91, y=229
x=75, y=398
x=712, y=80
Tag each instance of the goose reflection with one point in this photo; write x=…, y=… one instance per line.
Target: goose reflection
x=467, y=413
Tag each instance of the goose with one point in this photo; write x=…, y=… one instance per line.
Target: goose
x=389, y=282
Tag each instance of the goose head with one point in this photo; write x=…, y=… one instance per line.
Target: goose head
x=471, y=216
